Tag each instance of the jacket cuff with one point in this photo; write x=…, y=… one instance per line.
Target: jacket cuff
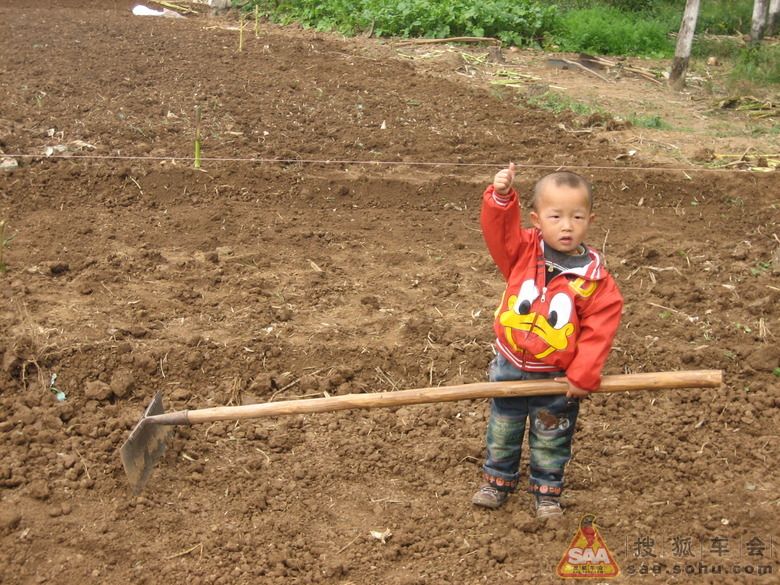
x=501, y=200
x=591, y=383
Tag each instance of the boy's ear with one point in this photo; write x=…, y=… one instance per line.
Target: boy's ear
x=535, y=220
x=591, y=218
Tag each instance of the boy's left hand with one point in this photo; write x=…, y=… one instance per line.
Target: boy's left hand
x=573, y=391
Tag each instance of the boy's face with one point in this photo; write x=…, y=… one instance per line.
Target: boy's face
x=563, y=215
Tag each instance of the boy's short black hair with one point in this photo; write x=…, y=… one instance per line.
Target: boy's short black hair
x=563, y=178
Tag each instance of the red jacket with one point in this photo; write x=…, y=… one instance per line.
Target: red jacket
x=568, y=324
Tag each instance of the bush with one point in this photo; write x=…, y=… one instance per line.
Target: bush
x=518, y=23
x=610, y=31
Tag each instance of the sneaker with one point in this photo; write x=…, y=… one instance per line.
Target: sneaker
x=547, y=506
x=489, y=497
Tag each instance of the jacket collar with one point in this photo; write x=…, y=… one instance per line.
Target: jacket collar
x=594, y=270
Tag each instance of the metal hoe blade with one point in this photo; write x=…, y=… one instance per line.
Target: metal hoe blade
x=145, y=445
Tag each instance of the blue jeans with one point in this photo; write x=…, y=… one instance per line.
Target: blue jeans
x=552, y=420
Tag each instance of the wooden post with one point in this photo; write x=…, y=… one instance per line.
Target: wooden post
x=682, y=54
x=758, y=26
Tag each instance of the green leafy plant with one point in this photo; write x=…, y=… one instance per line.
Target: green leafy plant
x=3, y=243
x=776, y=372
x=518, y=22
x=761, y=267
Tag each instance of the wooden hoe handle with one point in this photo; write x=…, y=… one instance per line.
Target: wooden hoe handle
x=616, y=383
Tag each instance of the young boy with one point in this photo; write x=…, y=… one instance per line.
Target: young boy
x=557, y=319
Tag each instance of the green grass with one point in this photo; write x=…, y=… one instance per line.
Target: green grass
x=612, y=31
x=760, y=66
x=716, y=17
x=557, y=103
x=722, y=47
x=652, y=121
x=723, y=17
x=627, y=5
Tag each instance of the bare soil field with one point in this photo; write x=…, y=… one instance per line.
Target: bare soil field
x=329, y=245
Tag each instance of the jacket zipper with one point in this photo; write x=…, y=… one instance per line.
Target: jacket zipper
x=536, y=317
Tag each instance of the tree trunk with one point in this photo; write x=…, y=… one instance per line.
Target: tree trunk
x=759, y=21
x=771, y=21
x=682, y=54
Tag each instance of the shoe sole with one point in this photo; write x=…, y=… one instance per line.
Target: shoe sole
x=549, y=514
x=490, y=505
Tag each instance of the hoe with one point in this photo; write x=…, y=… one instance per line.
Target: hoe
x=150, y=436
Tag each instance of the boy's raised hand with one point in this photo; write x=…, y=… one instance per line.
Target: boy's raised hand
x=504, y=179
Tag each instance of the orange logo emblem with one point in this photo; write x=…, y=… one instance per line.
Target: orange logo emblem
x=588, y=556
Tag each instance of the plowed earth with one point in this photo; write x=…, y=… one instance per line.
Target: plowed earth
x=297, y=263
